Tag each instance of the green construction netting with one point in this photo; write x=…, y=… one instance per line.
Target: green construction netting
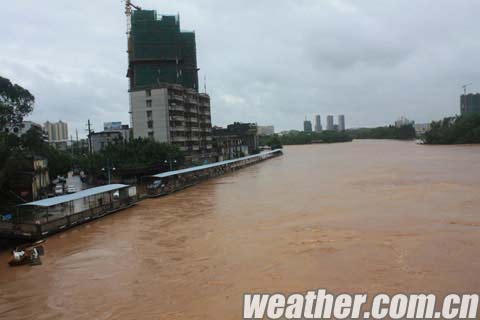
x=160, y=52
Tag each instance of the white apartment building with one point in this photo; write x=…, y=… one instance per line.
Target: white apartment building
x=174, y=114
x=56, y=131
x=318, y=123
x=402, y=121
x=265, y=130
x=341, y=122
x=330, y=125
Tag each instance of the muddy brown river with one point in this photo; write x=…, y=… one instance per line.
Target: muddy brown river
x=367, y=216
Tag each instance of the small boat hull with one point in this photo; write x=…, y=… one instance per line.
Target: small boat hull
x=27, y=254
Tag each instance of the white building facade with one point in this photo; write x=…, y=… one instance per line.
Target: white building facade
x=318, y=123
x=341, y=122
x=330, y=125
x=176, y=115
x=56, y=131
x=265, y=130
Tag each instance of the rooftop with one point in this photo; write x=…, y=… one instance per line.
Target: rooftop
x=211, y=165
x=75, y=196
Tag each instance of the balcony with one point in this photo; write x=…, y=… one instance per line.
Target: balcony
x=191, y=100
x=177, y=128
x=191, y=120
x=209, y=146
x=178, y=139
x=176, y=97
x=176, y=108
x=177, y=118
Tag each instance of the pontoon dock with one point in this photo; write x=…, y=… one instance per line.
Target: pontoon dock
x=176, y=180
x=40, y=218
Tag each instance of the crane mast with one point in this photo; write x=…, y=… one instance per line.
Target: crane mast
x=128, y=13
x=465, y=87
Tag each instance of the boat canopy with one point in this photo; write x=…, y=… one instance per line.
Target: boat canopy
x=75, y=196
x=213, y=165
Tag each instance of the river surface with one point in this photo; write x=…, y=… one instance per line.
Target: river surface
x=367, y=216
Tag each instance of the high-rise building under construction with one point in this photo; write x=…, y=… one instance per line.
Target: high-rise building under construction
x=165, y=103
x=159, y=52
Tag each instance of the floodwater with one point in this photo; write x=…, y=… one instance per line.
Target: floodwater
x=367, y=216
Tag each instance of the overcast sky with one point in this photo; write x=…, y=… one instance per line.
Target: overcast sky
x=270, y=61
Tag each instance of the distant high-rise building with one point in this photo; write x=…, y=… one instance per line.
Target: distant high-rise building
x=402, y=121
x=307, y=126
x=318, y=123
x=470, y=103
x=330, y=123
x=56, y=131
x=265, y=130
x=341, y=122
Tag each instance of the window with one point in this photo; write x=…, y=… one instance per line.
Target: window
x=149, y=103
x=150, y=135
x=150, y=124
x=148, y=92
x=149, y=114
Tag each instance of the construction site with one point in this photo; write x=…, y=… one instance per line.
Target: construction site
x=165, y=103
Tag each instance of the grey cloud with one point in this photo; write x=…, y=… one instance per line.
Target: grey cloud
x=271, y=62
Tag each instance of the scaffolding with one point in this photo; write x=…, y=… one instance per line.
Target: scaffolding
x=159, y=52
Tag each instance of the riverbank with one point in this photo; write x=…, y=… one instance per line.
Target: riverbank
x=43, y=218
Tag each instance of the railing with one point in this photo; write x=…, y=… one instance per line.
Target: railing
x=179, y=139
x=177, y=108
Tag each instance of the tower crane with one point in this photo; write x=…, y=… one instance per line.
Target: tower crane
x=128, y=12
x=465, y=87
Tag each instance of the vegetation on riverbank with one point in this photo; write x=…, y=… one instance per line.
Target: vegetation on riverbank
x=300, y=137
x=406, y=132
x=455, y=130
x=17, y=152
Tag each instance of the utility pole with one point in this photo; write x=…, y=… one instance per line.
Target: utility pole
x=463, y=100
x=109, y=168
x=89, y=129
x=71, y=144
x=170, y=162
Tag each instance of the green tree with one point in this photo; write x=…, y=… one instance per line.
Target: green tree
x=15, y=103
x=406, y=132
x=300, y=137
x=455, y=130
